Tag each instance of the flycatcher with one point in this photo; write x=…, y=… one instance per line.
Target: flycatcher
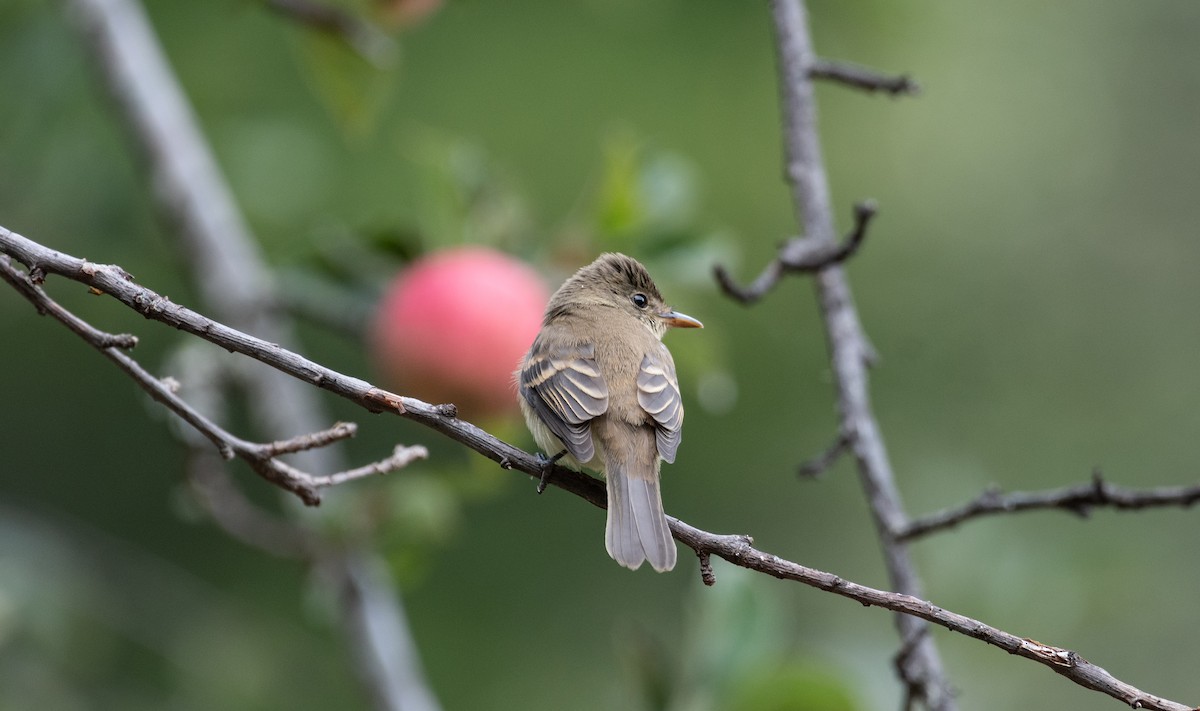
x=599, y=387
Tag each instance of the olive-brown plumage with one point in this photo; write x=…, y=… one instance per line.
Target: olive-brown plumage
x=599, y=383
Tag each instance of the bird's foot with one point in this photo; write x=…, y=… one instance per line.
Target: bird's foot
x=547, y=467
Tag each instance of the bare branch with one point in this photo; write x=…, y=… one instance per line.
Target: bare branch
x=233, y=279
x=758, y=288
x=237, y=516
x=224, y=260
x=859, y=77
x=913, y=688
x=262, y=458
x=850, y=350
x=372, y=612
x=739, y=551
x=800, y=255
x=736, y=549
x=401, y=457
x=27, y=287
x=313, y=440
x=116, y=282
x=819, y=464
x=1079, y=500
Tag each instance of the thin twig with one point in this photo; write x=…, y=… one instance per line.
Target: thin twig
x=800, y=255
x=1079, y=500
x=736, y=549
x=401, y=457
x=755, y=290
x=45, y=306
x=312, y=440
x=821, y=463
x=860, y=77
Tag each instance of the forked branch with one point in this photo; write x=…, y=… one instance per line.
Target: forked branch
x=800, y=255
x=262, y=458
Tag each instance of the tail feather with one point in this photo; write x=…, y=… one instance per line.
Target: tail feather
x=636, y=528
x=620, y=531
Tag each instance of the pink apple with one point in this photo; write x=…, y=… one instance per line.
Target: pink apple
x=452, y=326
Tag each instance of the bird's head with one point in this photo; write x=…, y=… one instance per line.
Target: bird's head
x=618, y=282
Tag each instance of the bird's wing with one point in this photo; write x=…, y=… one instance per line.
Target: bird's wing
x=565, y=389
x=658, y=394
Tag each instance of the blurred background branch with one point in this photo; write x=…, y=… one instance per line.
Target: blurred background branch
x=233, y=279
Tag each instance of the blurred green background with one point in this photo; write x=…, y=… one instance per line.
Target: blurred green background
x=1030, y=283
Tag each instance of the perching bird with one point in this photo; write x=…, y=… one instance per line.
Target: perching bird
x=599, y=385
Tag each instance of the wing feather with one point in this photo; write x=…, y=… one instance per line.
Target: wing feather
x=564, y=387
x=658, y=394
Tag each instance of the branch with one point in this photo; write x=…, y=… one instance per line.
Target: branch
x=859, y=77
x=237, y=516
x=821, y=463
x=800, y=255
x=232, y=278
x=849, y=349
x=1079, y=500
x=114, y=281
x=372, y=612
x=262, y=458
x=739, y=551
x=225, y=262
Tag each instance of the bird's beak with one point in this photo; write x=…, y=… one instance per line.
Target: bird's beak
x=678, y=320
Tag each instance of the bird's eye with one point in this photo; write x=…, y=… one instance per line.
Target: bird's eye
x=639, y=300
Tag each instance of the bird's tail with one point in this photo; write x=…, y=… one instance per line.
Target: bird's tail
x=636, y=529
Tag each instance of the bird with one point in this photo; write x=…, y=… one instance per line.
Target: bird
x=598, y=387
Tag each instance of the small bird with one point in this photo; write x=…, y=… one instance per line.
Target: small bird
x=599, y=388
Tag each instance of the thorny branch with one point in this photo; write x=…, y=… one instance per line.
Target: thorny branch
x=738, y=550
x=1079, y=500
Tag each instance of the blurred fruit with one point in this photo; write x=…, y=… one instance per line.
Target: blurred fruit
x=405, y=14
x=452, y=326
